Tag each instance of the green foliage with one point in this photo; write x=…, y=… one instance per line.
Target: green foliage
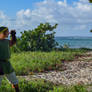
x=41, y=38
x=15, y=49
x=90, y=1
x=80, y=88
x=75, y=88
x=91, y=30
x=28, y=86
x=40, y=85
x=26, y=62
x=35, y=86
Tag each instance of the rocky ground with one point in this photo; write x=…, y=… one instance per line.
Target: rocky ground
x=78, y=71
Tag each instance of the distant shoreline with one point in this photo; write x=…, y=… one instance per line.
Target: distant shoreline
x=74, y=36
x=75, y=41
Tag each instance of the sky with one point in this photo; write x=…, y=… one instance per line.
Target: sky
x=74, y=17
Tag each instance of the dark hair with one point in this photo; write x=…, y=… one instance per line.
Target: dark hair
x=4, y=30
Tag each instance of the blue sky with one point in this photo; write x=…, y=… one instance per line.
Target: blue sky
x=73, y=16
x=10, y=7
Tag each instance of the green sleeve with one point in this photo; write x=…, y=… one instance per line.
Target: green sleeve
x=4, y=49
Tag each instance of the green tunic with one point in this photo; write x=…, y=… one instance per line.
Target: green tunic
x=5, y=65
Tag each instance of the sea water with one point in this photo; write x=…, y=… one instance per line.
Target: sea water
x=75, y=42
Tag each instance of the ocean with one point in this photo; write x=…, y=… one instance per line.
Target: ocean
x=75, y=42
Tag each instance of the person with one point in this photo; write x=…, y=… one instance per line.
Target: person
x=6, y=68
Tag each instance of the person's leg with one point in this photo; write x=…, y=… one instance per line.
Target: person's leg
x=1, y=77
x=13, y=80
x=1, y=74
x=16, y=87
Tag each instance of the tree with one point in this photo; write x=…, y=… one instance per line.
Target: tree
x=41, y=38
x=90, y=1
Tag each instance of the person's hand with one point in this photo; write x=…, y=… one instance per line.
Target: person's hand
x=13, y=32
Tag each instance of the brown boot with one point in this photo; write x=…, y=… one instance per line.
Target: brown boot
x=16, y=87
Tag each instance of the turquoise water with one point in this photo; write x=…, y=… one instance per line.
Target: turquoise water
x=75, y=42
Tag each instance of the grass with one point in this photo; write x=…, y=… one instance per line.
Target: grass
x=26, y=62
x=41, y=86
x=25, y=86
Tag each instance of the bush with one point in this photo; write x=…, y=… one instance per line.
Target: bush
x=39, y=39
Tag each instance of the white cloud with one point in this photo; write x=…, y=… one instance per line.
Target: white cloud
x=2, y=15
x=77, y=16
x=4, y=19
x=62, y=3
x=84, y=1
x=26, y=13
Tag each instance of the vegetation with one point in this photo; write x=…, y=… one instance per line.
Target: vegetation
x=39, y=39
x=41, y=86
x=90, y=1
x=26, y=62
x=37, y=52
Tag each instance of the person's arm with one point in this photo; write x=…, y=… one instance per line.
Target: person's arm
x=13, y=38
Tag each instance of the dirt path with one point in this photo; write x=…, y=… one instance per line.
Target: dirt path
x=78, y=71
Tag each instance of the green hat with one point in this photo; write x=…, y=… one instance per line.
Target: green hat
x=2, y=29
